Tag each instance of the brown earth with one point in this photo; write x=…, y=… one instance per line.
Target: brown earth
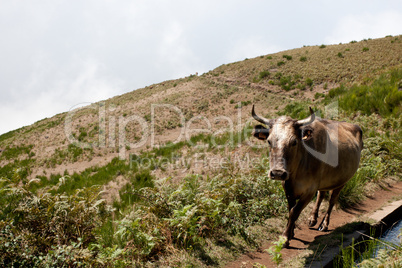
x=305, y=237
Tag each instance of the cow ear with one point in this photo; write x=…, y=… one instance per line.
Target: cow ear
x=307, y=134
x=261, y=132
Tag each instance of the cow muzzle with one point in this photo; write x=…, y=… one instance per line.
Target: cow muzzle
x=278, y=174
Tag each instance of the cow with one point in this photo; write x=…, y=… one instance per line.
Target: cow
x=309, y=156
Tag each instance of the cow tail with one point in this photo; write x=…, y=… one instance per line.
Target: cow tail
x=361, y=138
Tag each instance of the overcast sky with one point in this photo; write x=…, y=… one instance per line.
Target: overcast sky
x=56, y=54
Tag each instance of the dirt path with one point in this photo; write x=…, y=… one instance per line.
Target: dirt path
x=304, y=236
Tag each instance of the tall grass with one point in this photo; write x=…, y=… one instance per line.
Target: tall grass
x=48, y=230
x=371, y=252
x=64, y=228
x=382, y=97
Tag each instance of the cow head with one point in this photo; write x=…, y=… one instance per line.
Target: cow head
x=285, y=137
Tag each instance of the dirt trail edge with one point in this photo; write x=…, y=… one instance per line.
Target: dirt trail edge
x=305, y=237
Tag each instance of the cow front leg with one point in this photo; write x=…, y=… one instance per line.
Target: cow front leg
x=334, y=198
x=314, y=213
x=291, y=203
x=294, y=215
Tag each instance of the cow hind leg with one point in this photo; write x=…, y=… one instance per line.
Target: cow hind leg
x=314, y=213
x=334, y=198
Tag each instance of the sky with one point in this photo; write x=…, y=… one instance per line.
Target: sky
x=56, y=54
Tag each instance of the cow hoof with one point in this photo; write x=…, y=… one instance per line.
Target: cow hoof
x=312, y=222
x=323, y=228
x=286, y=245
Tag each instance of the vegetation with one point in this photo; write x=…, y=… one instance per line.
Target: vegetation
x=193, y=217
x=48, y=229
x=15, y=152
x=288, y=57
x=77, y=229
x=261, y=75
x=275, y=250
x=376, y=253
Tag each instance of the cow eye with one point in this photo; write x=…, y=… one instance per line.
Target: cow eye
x=293, y=143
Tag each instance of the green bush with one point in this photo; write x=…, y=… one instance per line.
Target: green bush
x=261, y=75
x=280, y=63
x=287, y=83
x=382, y=96
x=14, y=152
x=242, y=104
x=303, y=59
x=201, y=207
x=39, y=228
x=309, y=82
x=296, y=110
x=129, y=193
x=318, y=95
x=288, y=57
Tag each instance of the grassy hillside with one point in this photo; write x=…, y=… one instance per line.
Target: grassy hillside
x=168, y=174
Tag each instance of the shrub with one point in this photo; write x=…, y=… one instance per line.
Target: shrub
x=261, y=75
x=382, y=96
x=296, y=110
x=37, y=227
x=14, y=152
x=288, y=57
x=303, y=58
x=301, y=86
x=280, y=63
x=287, y=83
x=365, y=49
x=278, y=75
x=309, y=82
x=322, y=46
x=318, y=95
x=129, y=193
x=242, y=104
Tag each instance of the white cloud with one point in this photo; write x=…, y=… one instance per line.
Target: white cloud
x=174, y=51
x=56, y=54
x=82, y=80
x=250, y=47
x=366, y=25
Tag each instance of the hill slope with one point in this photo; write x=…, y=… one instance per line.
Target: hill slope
x=269, y=81
x=176, y=162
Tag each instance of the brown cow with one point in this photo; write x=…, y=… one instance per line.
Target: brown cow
x=310, y=155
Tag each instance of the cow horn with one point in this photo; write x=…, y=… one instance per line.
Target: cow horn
x=260, y=119
x=307, y=120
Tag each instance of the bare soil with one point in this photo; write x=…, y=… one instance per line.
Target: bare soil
x=305, y=236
